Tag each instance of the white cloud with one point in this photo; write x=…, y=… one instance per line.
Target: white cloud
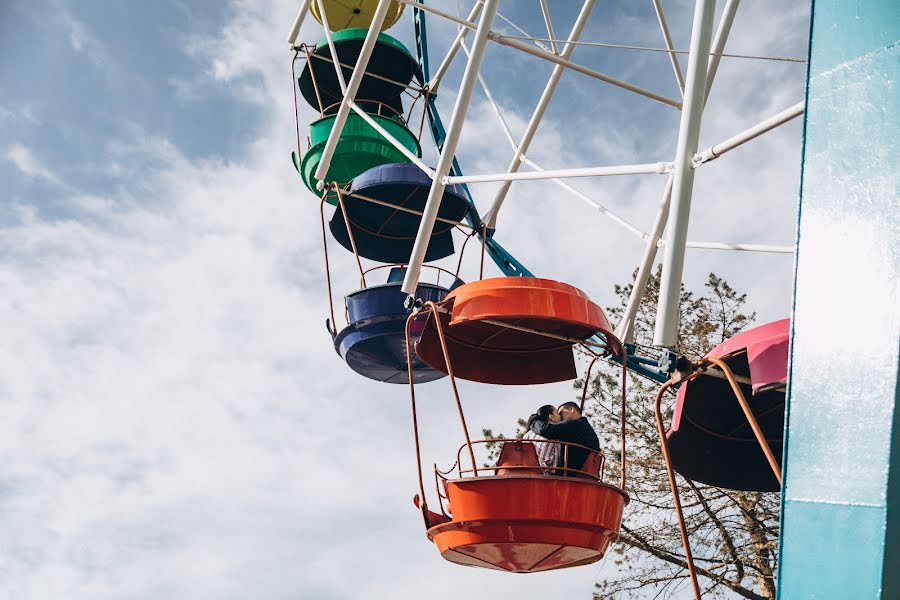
x=25, y=161
x=24, y=114
x=86, y=43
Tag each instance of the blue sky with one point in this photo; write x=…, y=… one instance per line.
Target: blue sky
x=174, y=421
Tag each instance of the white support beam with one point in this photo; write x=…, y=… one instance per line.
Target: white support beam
x=391, y=139
x=298, y=21
x=490, y=219
x=546, y=11
x=741, y=247
x=454, y=47
x=329, y=39
x=625, y=328
x=527, y=36
x=683, y=183
x=549, y=56
x=718, y=45
x=717, y=150
x=350, y=95
x=646, y=168
x=590, y=201
x=440, y=13
x=445, y=162
x=487, y=92
x=667, y=37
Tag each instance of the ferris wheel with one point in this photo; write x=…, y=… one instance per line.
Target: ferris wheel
x=364, y=160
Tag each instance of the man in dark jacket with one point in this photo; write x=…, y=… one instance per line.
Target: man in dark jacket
x=573, y=428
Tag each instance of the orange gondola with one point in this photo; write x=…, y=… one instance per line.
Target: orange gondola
x=514, y=330
x=516, y=516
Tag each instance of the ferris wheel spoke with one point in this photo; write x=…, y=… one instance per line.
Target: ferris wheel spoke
x=590, y=201
x=350, y=92
x=496, y=108
x=440, y=13
x=298, y=21
x=546, y=11
x=527, y=35
x=740, y=247
x=683, y=181
x=718, y=44
x=519, y=45
x=490, y=218
x=454, y=48
x=717, y=150
x=660, y=168
x=625, y=328
x=391, y=139
x=667, y=37
x=329, y=38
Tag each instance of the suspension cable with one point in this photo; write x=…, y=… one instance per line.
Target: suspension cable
x=665, y=50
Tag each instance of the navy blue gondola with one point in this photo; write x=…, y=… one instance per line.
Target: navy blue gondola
x=374, y=344
x=385, y=234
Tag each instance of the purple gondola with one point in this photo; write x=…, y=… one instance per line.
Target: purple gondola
x=386, y=234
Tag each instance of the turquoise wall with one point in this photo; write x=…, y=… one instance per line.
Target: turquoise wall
x=841, y=495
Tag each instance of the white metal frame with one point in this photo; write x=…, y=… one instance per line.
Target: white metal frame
x=673, y=213
x=683, y=180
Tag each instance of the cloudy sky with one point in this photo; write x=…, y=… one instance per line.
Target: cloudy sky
x=175, y=423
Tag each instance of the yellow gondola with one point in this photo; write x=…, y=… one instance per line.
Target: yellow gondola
x=345, y=14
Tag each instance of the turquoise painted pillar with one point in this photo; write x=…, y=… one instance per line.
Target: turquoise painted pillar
x=840, y=535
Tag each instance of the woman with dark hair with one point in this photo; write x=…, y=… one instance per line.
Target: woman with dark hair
x=547, y=452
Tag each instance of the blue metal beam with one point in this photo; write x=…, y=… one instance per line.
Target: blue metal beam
x=841, y=494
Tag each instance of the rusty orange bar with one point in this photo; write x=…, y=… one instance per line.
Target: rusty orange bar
x=340, y=196
x=462, y=417
x=754, y=425
x=664, y=444
x=412, y=396
x=312, y=74
x=327, y=267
